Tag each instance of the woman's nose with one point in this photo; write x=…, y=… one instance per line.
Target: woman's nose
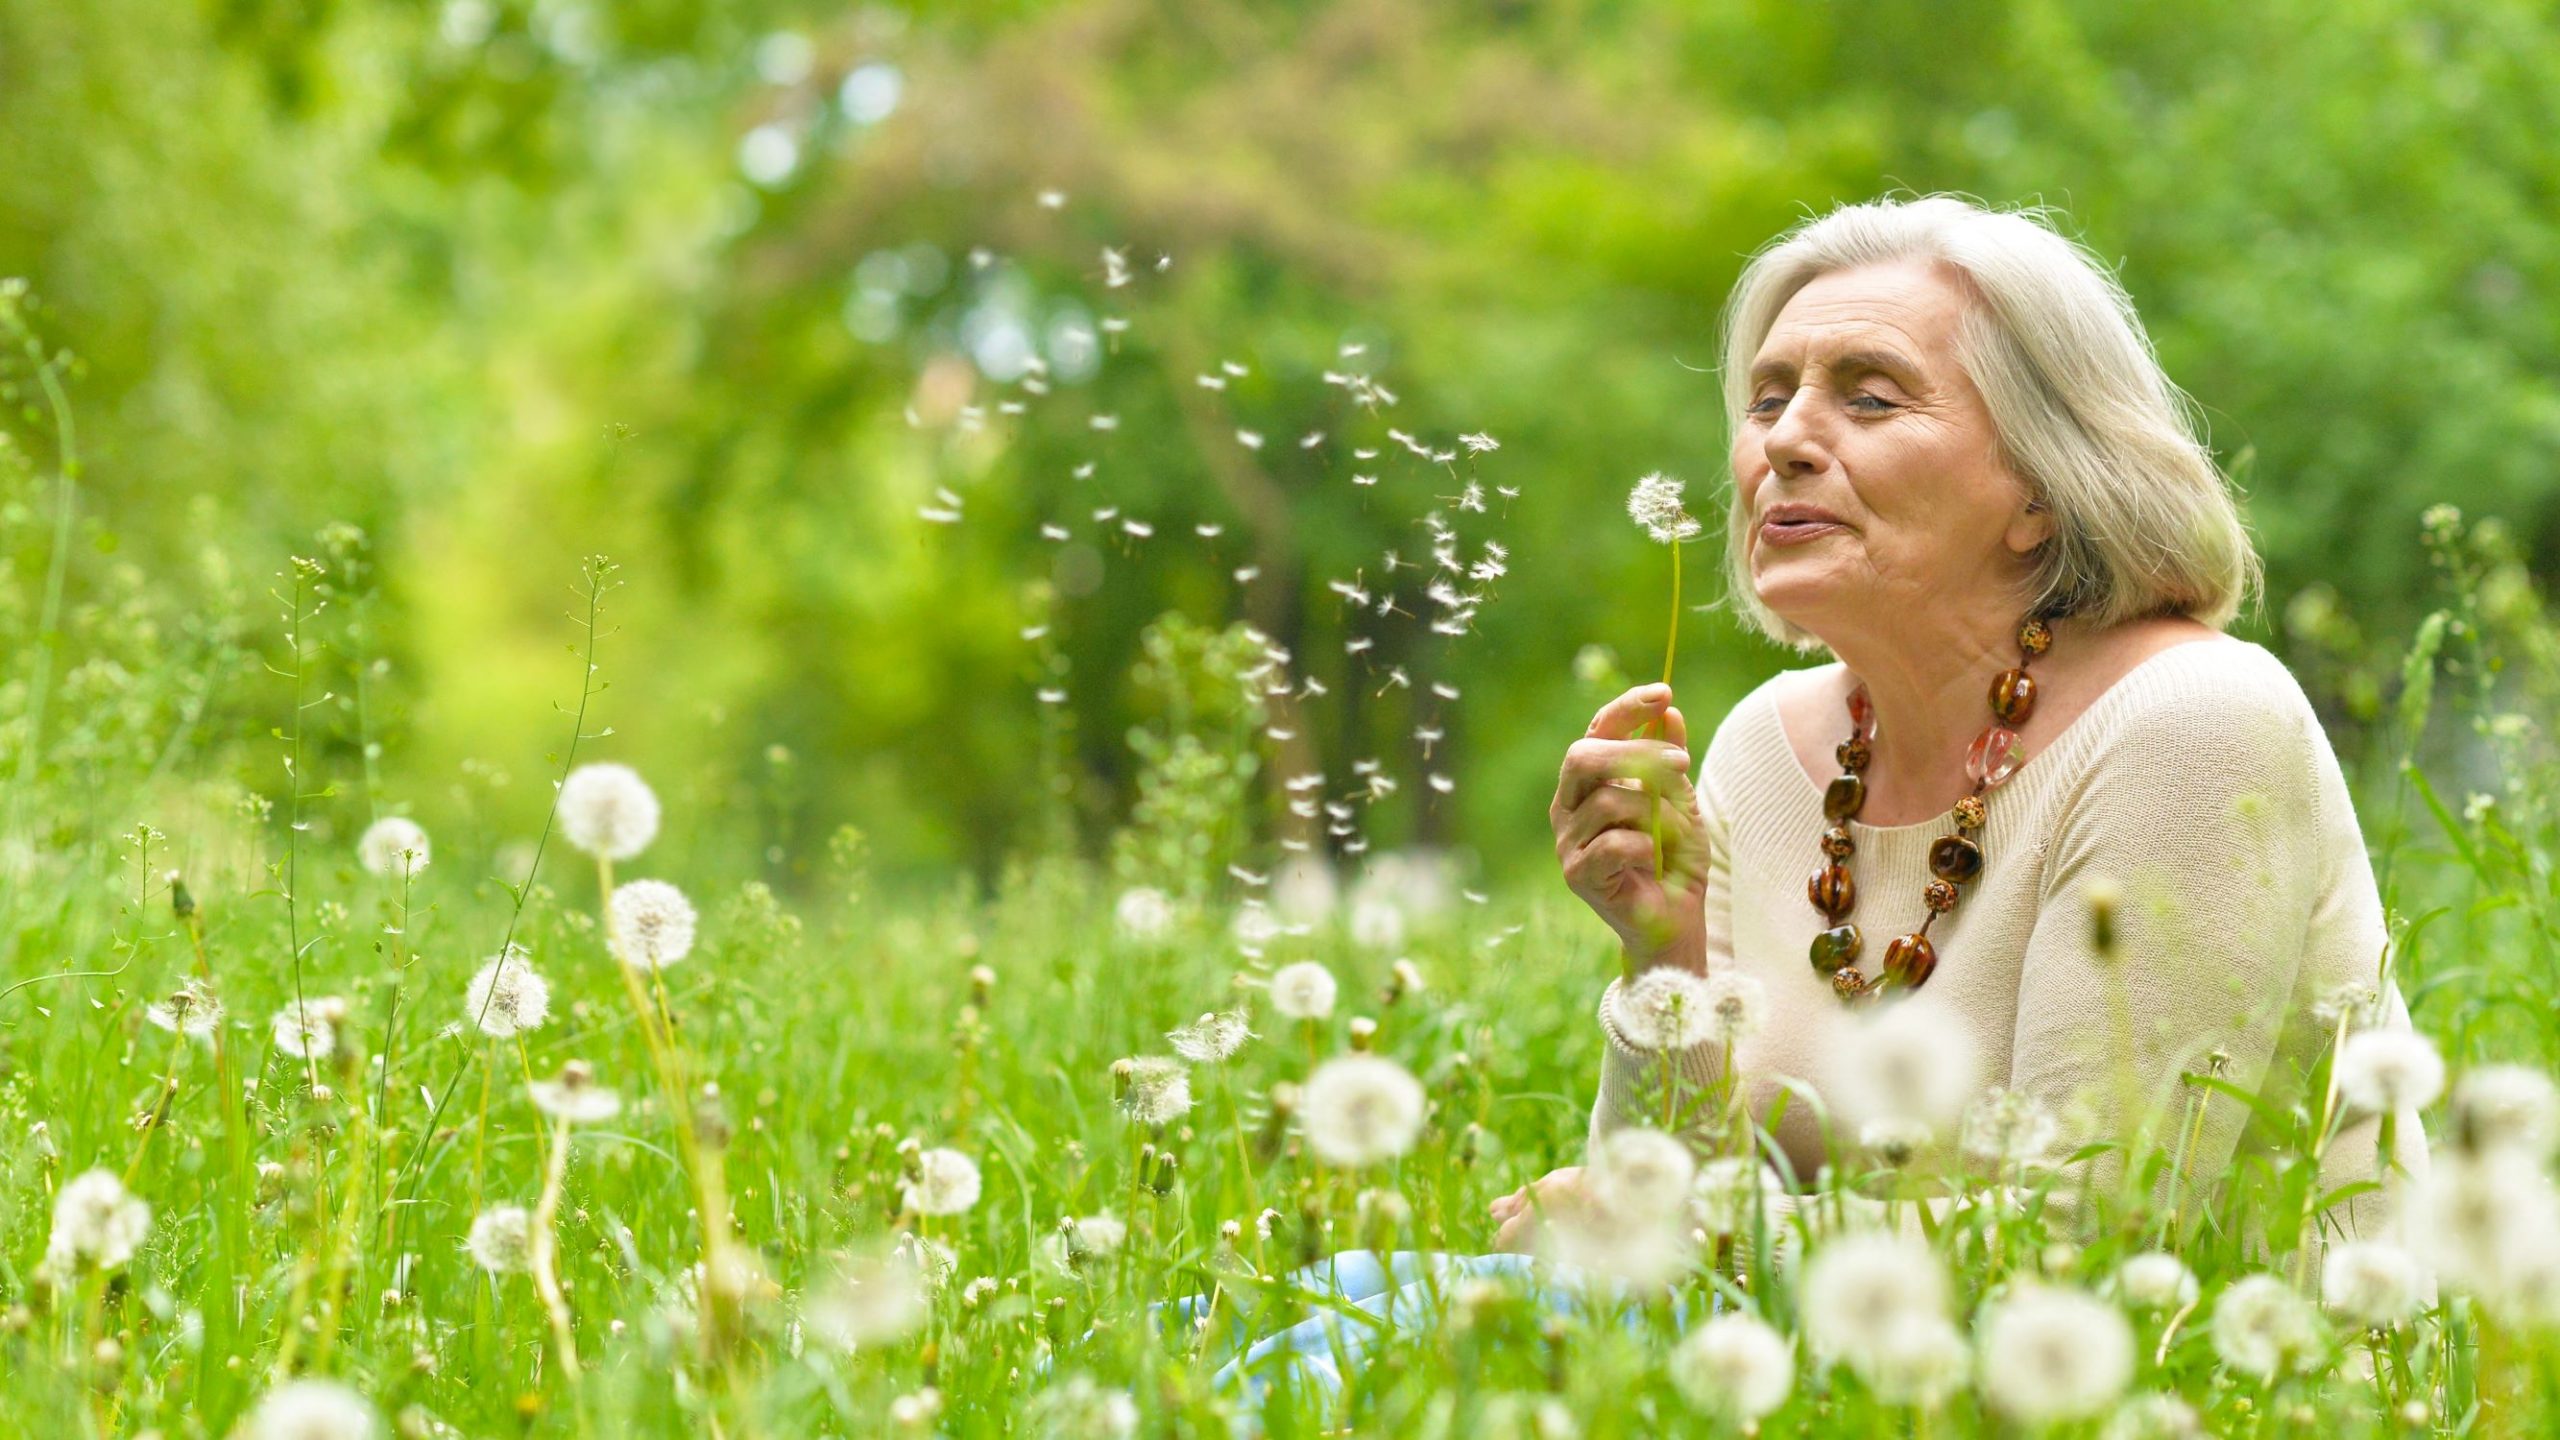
x=1792, y=447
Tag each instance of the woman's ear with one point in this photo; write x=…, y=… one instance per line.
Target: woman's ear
x=2030, y=527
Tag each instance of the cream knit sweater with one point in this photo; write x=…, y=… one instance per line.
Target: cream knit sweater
x=2202, y=785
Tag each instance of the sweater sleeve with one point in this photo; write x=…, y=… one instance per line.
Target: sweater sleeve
x=1631, y=1077
x=2206, y=820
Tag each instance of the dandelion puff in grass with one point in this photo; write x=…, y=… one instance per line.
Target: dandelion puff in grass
x=1860, y=1286
x=1143, y=913
x=1153, y=1089
x=1643, y=1172
x=393, y=845
x=1734, y=1367
x=311, y=1410
x=1665, y=1008
x=2505, y=1108
x=2371, y=1282
x=2153, y=1417
x=2051, y=1354
x=1654, y=503
x=308, y=1030
x=2008, y=1127
x=1737, y=1006
x=573, y=1095
x=2483, y=1219
x=506, y=998
x=96, y=1221
x=1304, y=990
x=1361, y=1109
x=945, y=1182
x=1078, y=1409
x=1917, y=1360
x=608, y=811
x=2381, y=1071
x=1079, y=1242
x=1731, y=1190
x=501, y=1239
x=1211, y=1038
x=2155, y=1280
x=1908, y=1060
x=652, y=924
x=1895, y=1140
x=871, y=1300
x=2262, y=1328
x=191, y=1010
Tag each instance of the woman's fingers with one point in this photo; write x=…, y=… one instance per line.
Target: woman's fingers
x=1620, y=718
x=1590, y=763
x=1613, y=809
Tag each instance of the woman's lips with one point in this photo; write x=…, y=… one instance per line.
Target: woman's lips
x=1797, y=532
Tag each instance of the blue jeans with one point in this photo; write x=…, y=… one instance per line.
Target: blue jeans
x=1408, y=1290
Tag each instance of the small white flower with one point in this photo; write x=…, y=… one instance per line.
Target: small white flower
x=1154, y=1089
x=2380, y=1071
x=501, y=1239
x=945, y=1182
x=393, y=845
x=2008, y=1127
x=1643, y=1173
x=2505, y=1108
x=608, y=811
x=652, y=924
x=2261, y=1327
x=573, y=1095
x=311, y=1410
x=2051, y=1354
x=1665, y=1008
x=1737, y=1006
x=2155, y=1280
x=2371, y=1282
x=507, y=998
x=1211, y=1038
x=309, y=1031
x=1910, y=1060
x=1143, y=913
x=1304, y=990
x=191, y=1010
x=96, y=1222
x=1734, y=1367
x=1361, y=1109
x=1861, y=1286
x=1655, y=505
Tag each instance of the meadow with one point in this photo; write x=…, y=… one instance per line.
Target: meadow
x=322, y=1124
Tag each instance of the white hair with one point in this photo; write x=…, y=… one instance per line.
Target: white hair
x=2145, y=522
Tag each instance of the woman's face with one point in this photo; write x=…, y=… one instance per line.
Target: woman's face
x=1866, y=462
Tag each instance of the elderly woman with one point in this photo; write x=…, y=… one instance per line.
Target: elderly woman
x=1958, y=468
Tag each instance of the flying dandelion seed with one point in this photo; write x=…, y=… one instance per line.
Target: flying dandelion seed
x=1211, y=1038
x=506, y=998
x=608, y=811
x=393, y=845
x=653, y=924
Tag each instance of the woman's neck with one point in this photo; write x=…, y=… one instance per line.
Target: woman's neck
x=1929, y=681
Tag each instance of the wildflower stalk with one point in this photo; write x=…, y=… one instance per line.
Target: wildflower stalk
x=66, y=439
x=544, y=1250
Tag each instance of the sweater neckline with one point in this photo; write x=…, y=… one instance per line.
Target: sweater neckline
x=2112, y=695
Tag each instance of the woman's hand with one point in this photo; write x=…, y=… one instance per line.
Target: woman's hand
x=1519, y=1213
x=1612, y=794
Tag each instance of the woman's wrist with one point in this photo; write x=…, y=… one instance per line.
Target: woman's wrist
x=1686, y=947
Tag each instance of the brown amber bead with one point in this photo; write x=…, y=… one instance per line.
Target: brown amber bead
x=2013, y=696
x=1831, y=890
x=1845, y=795
x=1862, y=713
x=1969, y=812
x=1955, y=859
x=1837, y=844
x=1994, y=756
x=1837, y=947
x=1850, y=985
x=1853, y=754
x=1941, y=896
x=2035, y=637
x=1908, y=961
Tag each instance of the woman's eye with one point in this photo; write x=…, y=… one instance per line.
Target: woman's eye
x=1873, y=399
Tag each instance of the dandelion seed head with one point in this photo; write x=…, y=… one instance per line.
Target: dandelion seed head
x=2155, y=1280
x=2009, y=1127
x=2053, y=1355
x=2371, y=1282
x=1909, y=1060
x=1642, y=1172
x=942, y=1182
x=2383, y=1071
x=1859, y=1287
x=1154, y=1089
x=1211, y=1038
x=96, y=1222
x=1304, y=990
x=573, y=1095
x=311, y=1410
x=1666, y=1008
x=608, y=811
x=1143, y=913
x=506, y=998
x=1917, y=1360
x=308, y=1030
x=1737, y=1006
x=191, y=1010
x=393, y=845
x=1079, y=1409
x=1360, y=1109
x=1731, y=1190
x=653, y=924
x=2506, y=1108
x=1734, y=1367
x=1655, y=505
x=501, y=1239
x=872, y=1300
x=2261, y=1327
x=2153, y=1417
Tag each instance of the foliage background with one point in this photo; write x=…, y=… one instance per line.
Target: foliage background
x=492, y=282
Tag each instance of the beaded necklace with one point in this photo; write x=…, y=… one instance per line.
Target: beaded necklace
x=1955, y=859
